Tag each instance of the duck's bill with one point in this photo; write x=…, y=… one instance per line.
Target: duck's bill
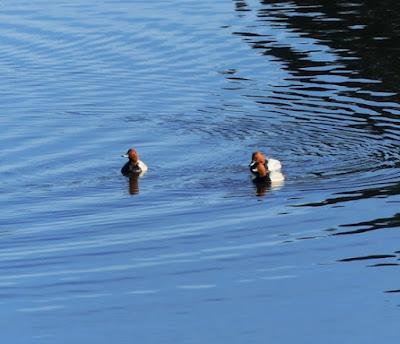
x=125, y=155
x=253, y=164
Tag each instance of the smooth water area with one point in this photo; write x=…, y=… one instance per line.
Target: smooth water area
x=193, y=251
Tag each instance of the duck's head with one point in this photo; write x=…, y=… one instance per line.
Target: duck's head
x=258, y=164
x=132, y=155
x=258, y=157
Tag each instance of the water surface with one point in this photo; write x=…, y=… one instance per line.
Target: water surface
x=194, y=252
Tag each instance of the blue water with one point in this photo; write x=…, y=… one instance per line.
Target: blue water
x=193, y=251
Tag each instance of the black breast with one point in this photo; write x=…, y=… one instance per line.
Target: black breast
x=130, y=169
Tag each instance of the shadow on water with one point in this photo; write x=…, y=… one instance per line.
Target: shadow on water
x=355, y=195
x=342, y=93
x=367, y=226
x=340, y=98
x=364, y=34
x=197, y=86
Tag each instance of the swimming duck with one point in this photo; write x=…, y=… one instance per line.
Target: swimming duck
x=263, y=168
x=134, y=166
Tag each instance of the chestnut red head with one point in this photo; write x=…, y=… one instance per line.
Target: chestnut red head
x=132, y=154
x=259, y=157
x=258, y=164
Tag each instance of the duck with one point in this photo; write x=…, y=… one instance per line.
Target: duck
x=134, y=167
x=263, y=168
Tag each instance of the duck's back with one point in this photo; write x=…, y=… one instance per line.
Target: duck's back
x=274, y=165
x=142, y=166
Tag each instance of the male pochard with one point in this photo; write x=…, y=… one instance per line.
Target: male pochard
x=263, y=168
x=134, y=166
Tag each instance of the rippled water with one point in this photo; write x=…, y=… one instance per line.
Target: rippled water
x=194, y=252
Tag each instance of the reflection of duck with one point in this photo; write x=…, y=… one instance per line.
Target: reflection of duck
x=262, y=186
x=133, y=185
x=264, y=169
x=134, y=167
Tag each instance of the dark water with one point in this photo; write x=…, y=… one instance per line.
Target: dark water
x=190, y=253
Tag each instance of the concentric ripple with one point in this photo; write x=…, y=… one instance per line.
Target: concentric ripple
x=194, y=251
